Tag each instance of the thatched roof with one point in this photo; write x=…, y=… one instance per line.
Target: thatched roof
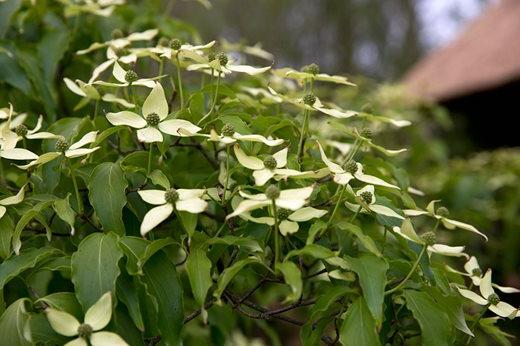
x=485, y=56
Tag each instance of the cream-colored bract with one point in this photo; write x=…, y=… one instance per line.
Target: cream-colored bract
x=487, y=296
x=372, y=206
x=119, y=74
x=292, y=199
x=342, y=177
x=261, y=173
x=215, y=137
x=228, y=68
x=89, y=92
x=189, y=200
x=448, y=223
x=12, y=200
x=157, y=104
x=97, y=317
x=120, y=43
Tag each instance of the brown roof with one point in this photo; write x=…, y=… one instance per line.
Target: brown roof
x=486, y=55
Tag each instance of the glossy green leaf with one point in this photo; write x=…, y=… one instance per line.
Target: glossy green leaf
x=12, y=324
x=6, y=234
x=293, y=277
x=198, y=267
x=107, y=186
x=229, y=273
x=359, y=327
x=95, y=267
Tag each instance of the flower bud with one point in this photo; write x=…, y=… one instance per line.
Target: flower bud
x=367, y=133
x=309, y=99
x=222, y=58
x=283, y=214
x=61, y=144
x=228, y=130
x=21, y=130
x=175, y=44
x=211, y=56
x=366, y=196
x=163, y=42
x=443, y=211
x=116, y=34
x=493, y=299
x=152, y=119
x=476, y=272
x=171, y=196
x=352, y=167
x=85, y=331
x=131, y=76
x=270, y=162
x=312, y=69
x=429, y=238
x=272, y=192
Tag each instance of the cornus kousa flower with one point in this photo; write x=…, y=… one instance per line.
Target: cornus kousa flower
x=221, y=66
x=23, y=132
x=354, y=170
x=177, y=49
x=97, y=317
x=311, y=103
x=291, y=199
x=12, y=200
x=127, y=78
x=89, y=92
x=441, y=214
x=120, y=41
x=102, y=8
x=489, y=298
x=271, y=166
x=428, y=239
x=228, y=135
x=189, y=200
x=255, y=50
x=64, y=148
x=473, y=271
x=152, y=121
x=367, y=200
x=312, y=73
x=288, y=219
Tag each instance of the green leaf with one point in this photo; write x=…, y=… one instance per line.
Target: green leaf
x=312, y=250
x=162, y=283
x=198, y=267
x=41, y=332
x=452, y=306
x=326, y=300
x=247, y=243
x=7, y=9
x=152, y=248
x=293, y=277
x=107, y=186
x=229, y=273
x=133, y=249
x=371, y=271
x=159, y=178
x=6, y=234
x=95, y=267
x=65, y=212
x=63, y=301
x=34, y=212
x=12, y=324
x=359, y=327
x=366, y=240
x=435, y=324
x=11, y=73
x=188, y=221
x=27, y=259
x=127, y=293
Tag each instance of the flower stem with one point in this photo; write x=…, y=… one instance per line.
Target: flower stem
x=336, y=207
x=79, y=201
x=213, y=103
x=96, y=108
x=227, y=176
x=276, y=235
x=303, y=134
x=352, y=152
x=179, y=80
x=355, y=214
x=150, y=150
x=161, y=67
x=475, y=322
x=416, y=263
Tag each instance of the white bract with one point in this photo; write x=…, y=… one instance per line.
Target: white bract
x=120, y=75
x=227, y=68
x=333, y=111
x=342, y=177
x=8, y=150
x=291, y=199
x=152, y=121
x=367, y=199
x=489, y=298
x=102, y=8
x=96, y=318
x=473, y=271
x=228, y=136
x=255, y=50
x=119, y=43
x=33, y=134
x=288, y=219
x=448, y=223
x=407, y=231
x=305, y=76
x=62, y=148
x=189, y=200
x=12, y=200
x=89, y=92
x=185, y=51
x=271, y=166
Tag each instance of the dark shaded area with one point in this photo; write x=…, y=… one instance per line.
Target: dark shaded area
x=489, y=118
